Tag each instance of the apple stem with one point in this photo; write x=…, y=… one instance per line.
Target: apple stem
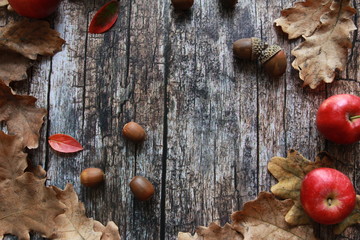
x=329, y=201
x=354, y=117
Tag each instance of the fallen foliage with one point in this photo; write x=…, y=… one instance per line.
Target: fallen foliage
x=290, y=172
x=73, y=224
x=262, y=218
x=326, y=26
x=26, y=203
x=21, y=116
x=64, y=143
x=23, y=41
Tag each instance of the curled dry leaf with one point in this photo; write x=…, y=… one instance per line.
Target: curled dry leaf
x=105, y=18
x=213, y=232
x=21, y=115
x=263, y=218
x=303, y=18
x=73, y=224
x=289, y=172
x=30, y=38
x=326, y=27
x=64, y=143
x=25, y=203
x=109, y=232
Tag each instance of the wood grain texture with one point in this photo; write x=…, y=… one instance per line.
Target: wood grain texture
x=213, y=121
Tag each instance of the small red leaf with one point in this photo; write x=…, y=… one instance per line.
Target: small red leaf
x=64, y=143
x=105, y=18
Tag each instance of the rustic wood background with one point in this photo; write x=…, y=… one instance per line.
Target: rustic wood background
x=213, y=122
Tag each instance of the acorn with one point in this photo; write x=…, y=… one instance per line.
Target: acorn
x=273, y=60
x=142, y=188
x=91, y=177
x=229, y=3
x=182, y=4
x=134, y=132
x=249, y=48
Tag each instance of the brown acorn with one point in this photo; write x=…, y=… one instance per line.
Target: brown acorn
x=134, y=132
x=274, y=61
x=142, y=188
x=249, y=48
x=182, y=4
x=91, y=177
x=229, y=3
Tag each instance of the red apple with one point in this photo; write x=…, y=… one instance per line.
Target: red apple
x=327, y=195
x=338, y=118
x=34, y=8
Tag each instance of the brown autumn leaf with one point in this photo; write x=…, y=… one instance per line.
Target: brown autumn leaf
x=26, y=203
x=109, y=232
x=74, y=224
x=324, y=50
x=30, y=38
x=21, y=115
x=303, y=18
x=12, y=158
x=13, y=66
x=289, y=172
x=212, y=232
x=263, y=218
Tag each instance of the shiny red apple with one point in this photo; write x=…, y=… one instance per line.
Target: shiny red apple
x=338, y=118
x=327, y=195
x=34, y=8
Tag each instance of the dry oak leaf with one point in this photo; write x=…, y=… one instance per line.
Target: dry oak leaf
x=325, y=26
x=13, y=66
x=25, y=203
x=73, y=224
x=12, y=158
x=290, y=172
x=213, y=232
x=31, y=38
x=303, y=18
x=109, y=232
x=21, y=115
x=263, y=218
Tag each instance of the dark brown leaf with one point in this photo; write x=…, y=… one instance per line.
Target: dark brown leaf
x=13, y=66
x=30, y=38
x=21, y=115
x=264, y=218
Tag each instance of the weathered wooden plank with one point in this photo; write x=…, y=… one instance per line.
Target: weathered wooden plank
x=124, y=82
x=212, y=128
x=271, y=95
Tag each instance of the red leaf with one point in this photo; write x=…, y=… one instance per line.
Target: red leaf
x=105, y=18
x=64, y=143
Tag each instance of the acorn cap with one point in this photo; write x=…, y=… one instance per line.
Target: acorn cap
x=258, y=47
x=269, y=53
